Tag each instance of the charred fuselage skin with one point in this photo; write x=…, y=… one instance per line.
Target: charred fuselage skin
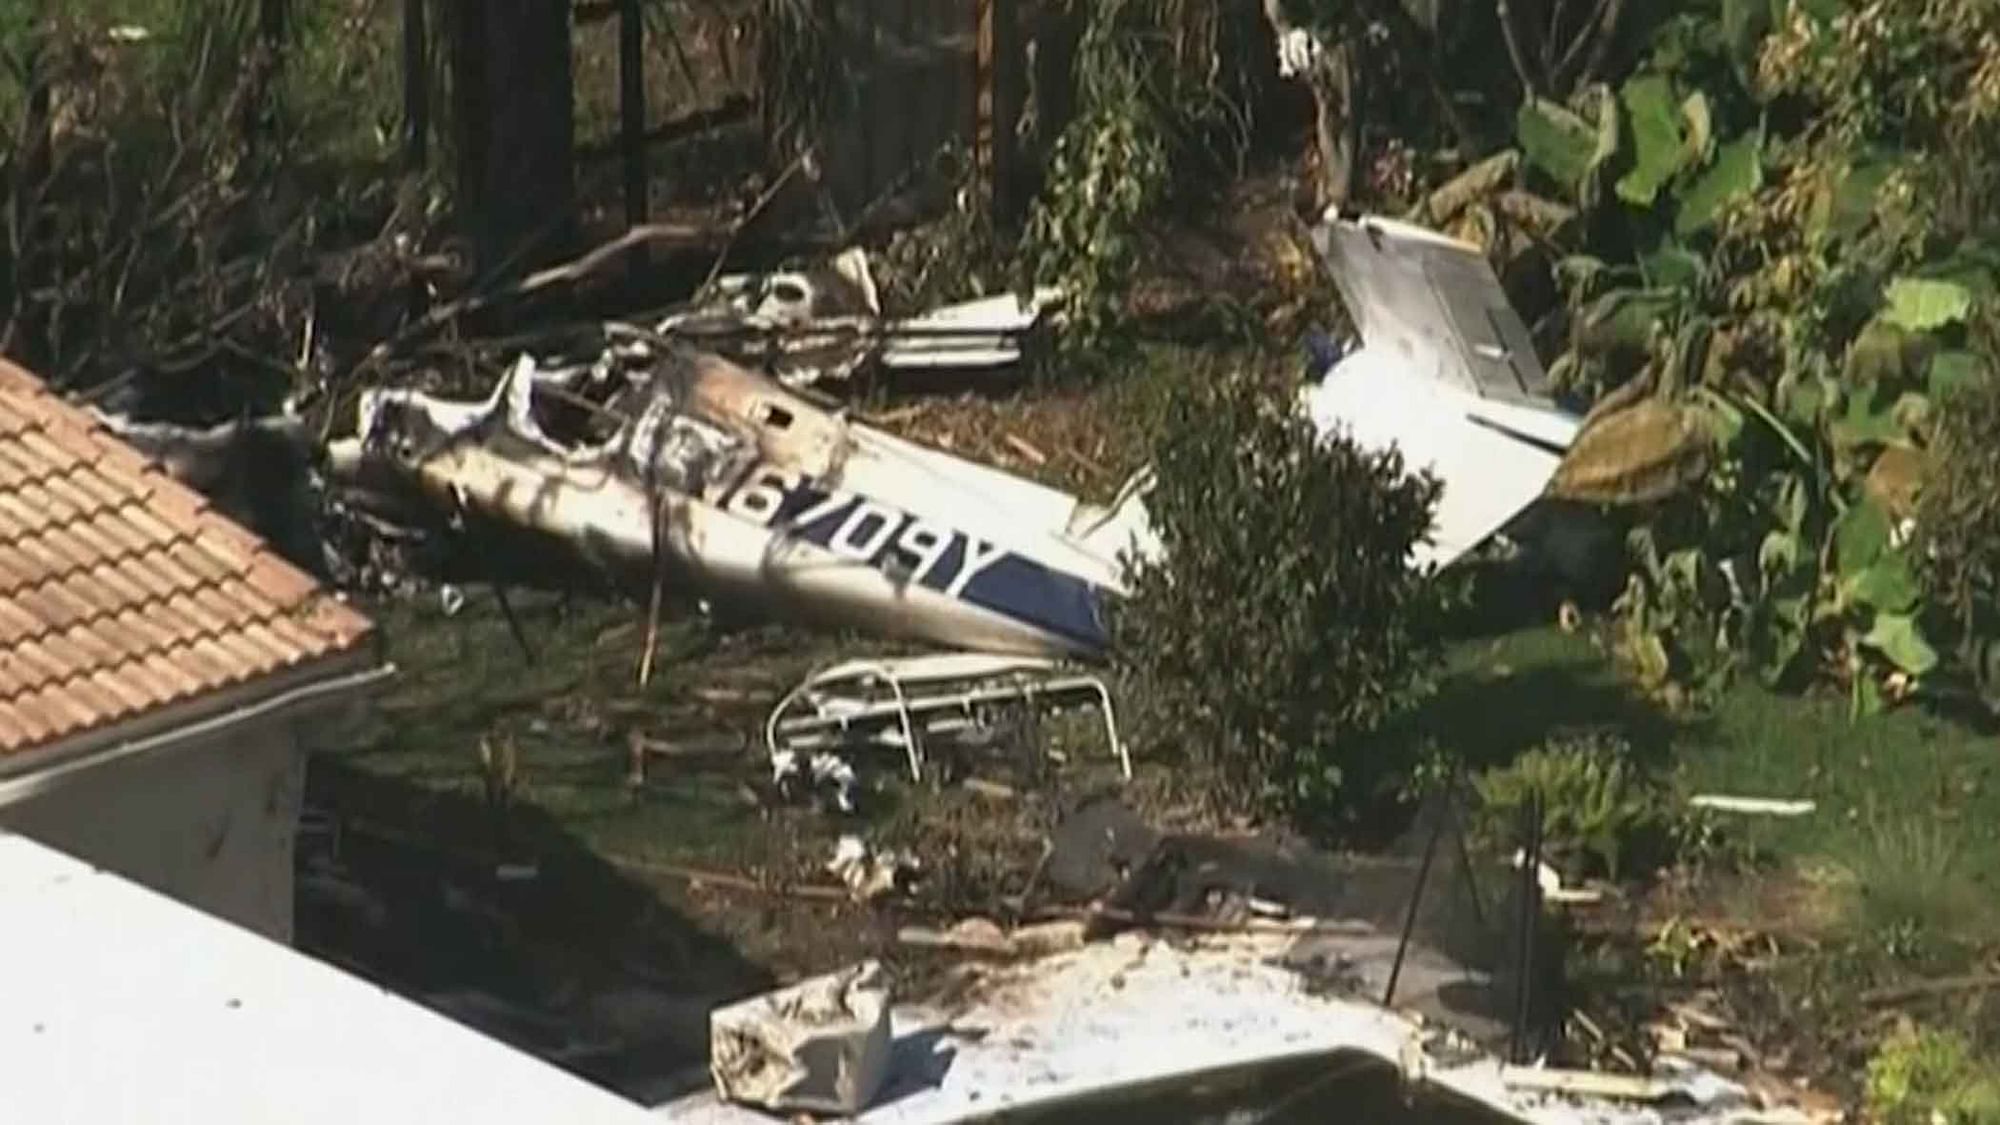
x=749, y=493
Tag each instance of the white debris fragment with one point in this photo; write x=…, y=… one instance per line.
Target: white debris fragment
x=1551, y=882
x=870, y=874
x=822, y=769
x=820, y=1046
x=1753, y=806
x=1298, y=50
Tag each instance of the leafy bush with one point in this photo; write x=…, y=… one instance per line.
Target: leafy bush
x=1958, y=524
x=1599, y=807
x=173, y=195
x=1932, y=1077
x=1785, y=267
x=1285, y=621
x=1149, y=111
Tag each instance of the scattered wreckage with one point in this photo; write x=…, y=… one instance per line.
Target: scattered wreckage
x=1086, y=1033
x=660, y=460
x=826, y=323
x=663, y=462
x=1328, y=994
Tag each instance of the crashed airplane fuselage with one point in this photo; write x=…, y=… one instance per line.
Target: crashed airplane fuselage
x=746, y=491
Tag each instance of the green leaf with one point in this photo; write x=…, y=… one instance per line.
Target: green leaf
x=1801, y=397
x=1879, y=357
x=1555, y=140
x=1952, y=370
x=1890, y=585
x=1738, y=170
x=1744, y=25
x=1897, y=637
x=1723, y=418
x=1861, y=536
x=1852, y=200
x=1785, y=637
x=1865, y=698
x=1700, y=129
x=1658, y=151
x=1864, y=425
x=1779, y=553
x=1623, y=318
x=1920, y=304
x=1792, y=502
x=1671, y=266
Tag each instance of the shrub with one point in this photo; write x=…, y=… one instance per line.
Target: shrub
x=1600, y=809
x=1931, y=1077
x=1285, y=621
x=1959, y=522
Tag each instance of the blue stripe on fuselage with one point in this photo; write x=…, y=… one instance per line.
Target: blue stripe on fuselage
x=1011, y=584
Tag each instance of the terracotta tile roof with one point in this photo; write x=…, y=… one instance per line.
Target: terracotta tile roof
x=120, y=591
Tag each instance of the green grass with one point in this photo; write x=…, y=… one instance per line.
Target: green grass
x=1908, y=803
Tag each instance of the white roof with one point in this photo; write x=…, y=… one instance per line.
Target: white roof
x=121, y=1005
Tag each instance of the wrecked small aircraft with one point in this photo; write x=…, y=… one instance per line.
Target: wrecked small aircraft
x=659, y=458
x=686, y=463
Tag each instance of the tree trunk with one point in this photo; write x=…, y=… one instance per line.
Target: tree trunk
x=1337, y=124
x=516, y=136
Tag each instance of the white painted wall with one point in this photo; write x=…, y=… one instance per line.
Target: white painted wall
x=209, y=821
x=121, y=1007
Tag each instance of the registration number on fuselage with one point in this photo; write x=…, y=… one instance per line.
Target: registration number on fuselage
x=913, y=549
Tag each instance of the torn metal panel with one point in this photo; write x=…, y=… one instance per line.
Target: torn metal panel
x=760, y=496
x=1134, y=1014
x=808, y=325
x=820, y=1046
x=909, y=701
x=1445, y=372
x=971, y=334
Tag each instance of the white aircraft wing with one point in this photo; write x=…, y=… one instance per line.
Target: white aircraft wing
x=1445, y=372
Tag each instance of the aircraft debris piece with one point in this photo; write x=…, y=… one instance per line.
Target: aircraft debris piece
x=820, y=1046
x=1753, y=806
x=1066, y=1034
x=661, y=465
x=870, y=873
x=821, y=771
x=907, y=702
x=1445, y=372
x=826, y=323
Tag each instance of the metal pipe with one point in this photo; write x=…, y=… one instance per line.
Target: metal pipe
x=1416, y=898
